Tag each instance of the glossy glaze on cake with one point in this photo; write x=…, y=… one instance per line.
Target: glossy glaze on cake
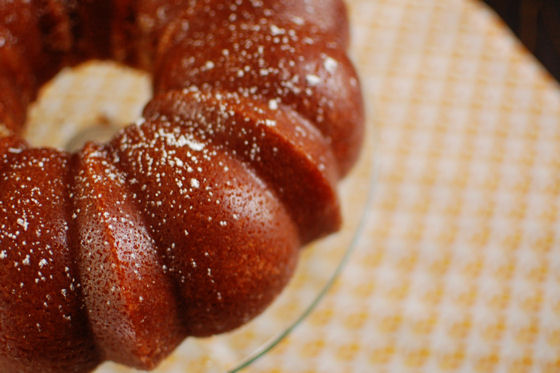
x=188, y=222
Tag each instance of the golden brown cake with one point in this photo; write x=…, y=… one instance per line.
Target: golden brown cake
x=188, y=222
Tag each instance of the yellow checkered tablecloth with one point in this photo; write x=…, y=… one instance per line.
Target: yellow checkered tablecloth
x=459, y=265
x=459, y=269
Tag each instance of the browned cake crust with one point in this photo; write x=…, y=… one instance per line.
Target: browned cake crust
x=188, y=222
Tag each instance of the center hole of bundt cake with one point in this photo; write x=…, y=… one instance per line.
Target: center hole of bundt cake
x=90, y=102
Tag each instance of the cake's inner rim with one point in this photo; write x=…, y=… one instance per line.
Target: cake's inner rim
x=100, y=131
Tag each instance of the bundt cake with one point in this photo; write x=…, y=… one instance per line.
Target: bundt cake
x=189, y=221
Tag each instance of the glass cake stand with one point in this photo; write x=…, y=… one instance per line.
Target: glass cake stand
x=91, y=102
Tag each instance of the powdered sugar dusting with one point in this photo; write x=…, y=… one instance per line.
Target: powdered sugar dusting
x=242, y=130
